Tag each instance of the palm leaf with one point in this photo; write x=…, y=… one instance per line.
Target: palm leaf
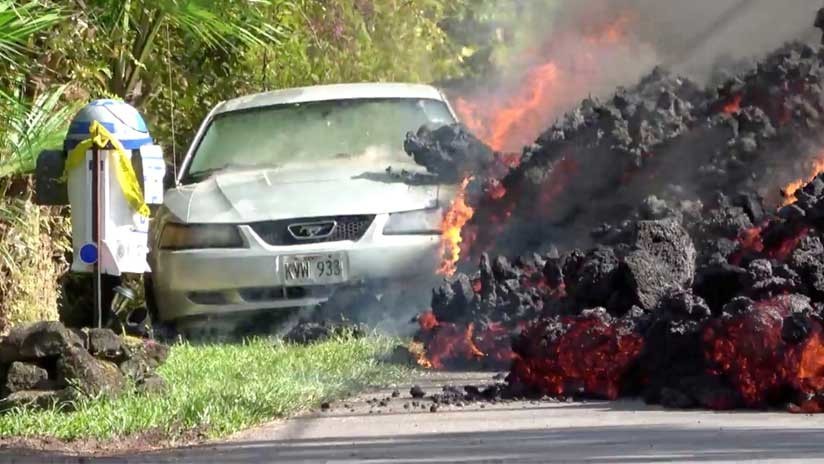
x=201, y=19
x=31, y=128
x=19, y=22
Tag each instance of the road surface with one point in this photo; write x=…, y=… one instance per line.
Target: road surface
x=521, y=432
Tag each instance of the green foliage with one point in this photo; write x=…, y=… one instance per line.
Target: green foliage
x=318, y=43
x=30, y=127
x=18, y=22
x=221, y=389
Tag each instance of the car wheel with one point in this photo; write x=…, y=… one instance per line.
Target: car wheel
x=161, y=330
x=149, y=295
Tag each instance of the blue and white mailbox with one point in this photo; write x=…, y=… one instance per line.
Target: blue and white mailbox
x=114, y=235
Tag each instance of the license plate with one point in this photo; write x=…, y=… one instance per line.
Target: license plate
x=314, y=269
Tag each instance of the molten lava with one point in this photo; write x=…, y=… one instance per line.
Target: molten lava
x=449, y=344
x=751, y=350
x=583, y=356
x=789, y=191
x=454, y=219
x=733, y=106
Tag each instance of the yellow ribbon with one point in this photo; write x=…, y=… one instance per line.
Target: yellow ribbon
x=126, y=177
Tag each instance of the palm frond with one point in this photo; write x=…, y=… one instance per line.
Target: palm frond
x=19, y=22
x=29, y=128
x=200, y=19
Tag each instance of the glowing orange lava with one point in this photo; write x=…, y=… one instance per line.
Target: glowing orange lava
x=733, y=106
x=751, y=352
x=591, y=356
x=448, y=343
x=454, y=219
x=789, y=191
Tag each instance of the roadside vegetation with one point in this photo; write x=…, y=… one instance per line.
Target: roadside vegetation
x=221, y=389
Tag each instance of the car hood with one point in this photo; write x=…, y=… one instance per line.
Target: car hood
x=319, y=189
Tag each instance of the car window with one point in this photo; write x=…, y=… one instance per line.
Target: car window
x=315, y=131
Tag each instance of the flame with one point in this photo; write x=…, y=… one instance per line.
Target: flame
x=557, y=75
x=733, y=106
x=508, y=122
x=447, y=343
x=789, y=191
x=614, y=32
x=459, y=213
x=427, y=320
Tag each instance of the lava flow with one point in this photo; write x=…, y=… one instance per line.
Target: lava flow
x=683, y=282
x=454, y=344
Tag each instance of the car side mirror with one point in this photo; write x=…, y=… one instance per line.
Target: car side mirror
x=50, y=187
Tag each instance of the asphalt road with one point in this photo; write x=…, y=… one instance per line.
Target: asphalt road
x=522, y=432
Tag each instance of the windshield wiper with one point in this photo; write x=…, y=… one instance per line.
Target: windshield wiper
x=206, y=173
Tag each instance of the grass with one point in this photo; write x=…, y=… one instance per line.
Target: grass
x=221, y=389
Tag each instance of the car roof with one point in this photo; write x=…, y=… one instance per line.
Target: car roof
x=330, y=92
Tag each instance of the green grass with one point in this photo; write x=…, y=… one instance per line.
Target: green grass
x=221, y=389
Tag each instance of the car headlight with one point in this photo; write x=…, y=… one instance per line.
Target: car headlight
x=423, y=221
x=192, y=236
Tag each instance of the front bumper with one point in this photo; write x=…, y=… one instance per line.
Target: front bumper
x=215, y=281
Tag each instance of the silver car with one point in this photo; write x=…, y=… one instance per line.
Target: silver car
x=284, y=198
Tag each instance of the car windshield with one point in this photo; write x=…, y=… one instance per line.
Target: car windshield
x=314, y=131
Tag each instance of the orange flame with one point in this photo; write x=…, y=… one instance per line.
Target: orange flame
x=446, y=342
x=458, y=214
x=733, y=106
x=789, y=191
x=556, y=77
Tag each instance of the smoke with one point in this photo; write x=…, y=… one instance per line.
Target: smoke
x=553, y=54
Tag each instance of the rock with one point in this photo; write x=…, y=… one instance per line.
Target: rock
x=36, y=341
x=88, y=375
x=153, y=384
x=35, y=398
x=590, y=277
x=402, y=355
x=662, y=259
x=417, y=392
x=451, y=152
x=143, y=359
x=24, y=376
x=104, y=343
x=306, y=332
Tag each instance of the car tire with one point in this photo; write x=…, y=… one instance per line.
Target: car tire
x=161, y=330
x=149, y=296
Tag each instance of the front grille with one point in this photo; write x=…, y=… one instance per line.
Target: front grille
x=264, y=294
x=346, y=228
